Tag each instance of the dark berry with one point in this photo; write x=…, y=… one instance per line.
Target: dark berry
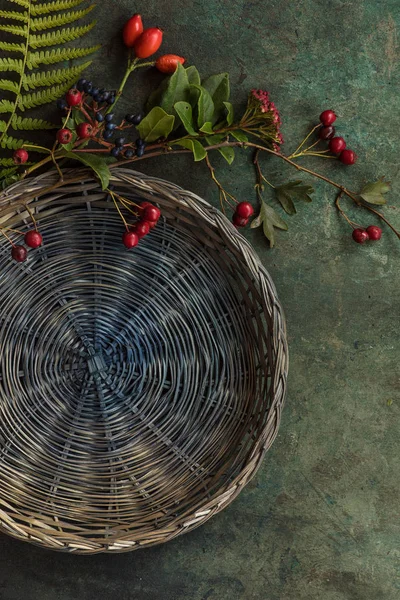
x=139, y=151
x=327, y=117
x=62, y=104
x=337, y=145
x=19, y=253
x=73, y=97
x=374, y=232
x=129, y=153
x=95, y=91
x=134, y=119
x=81, y=85
x=84, y=130
x=140, y=143
x=115, y=152
x=110, y=126
x=348, y=157
x=326, y=133
x=88, y=87
x=360, y=236
x=239, y=221
x=33, y=239
x=64, y=136
x=106, y=96
x=107, y=135
x=244, y=210
x=99, y=117
x=151, y=213
x=20, y=156
x=120, y=141
x=130, y=239
x=108, y=118
x=111, y=99
x=142, y=228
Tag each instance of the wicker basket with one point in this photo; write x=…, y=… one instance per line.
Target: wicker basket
x=140, y=390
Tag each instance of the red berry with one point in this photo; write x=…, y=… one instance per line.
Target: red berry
x=151, y=213
x=169, y=63
x=239, y=221
x=132, y=30
x=73, y=97
x=152, y=224
x=20, y=156
x=337, y=145
x=360, y=236
x=374, y=232
x=149, y=42
x=84, y=130
x=19, y=253
x=326, y=133
x=130, y=239
x=64, y=136
x=33, y=239
x=348, y=157
x=244, y=210
x=327, y=117
x=142, y=228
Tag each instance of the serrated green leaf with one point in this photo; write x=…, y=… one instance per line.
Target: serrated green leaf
x=207, y=128
x=61, y=36
x=219, y=90
x=239, y=135
x=58, y=20
x=205, y=105
x=96, y=163
x=373, y=192
x=24, y=3
x=11, y=47
x=42, y=97
x=157, y=124
x=193, y=75
x=27, y=124
x=199, y=152
x=5, y=173
x=230, y=113
x=228, y=153
x=20, y=30
x=11, y=64
x=44, y=9
x=6, y=162
x=10, y=143
x=293, y=190
x=51, y=57
x=3, y=126
x=185, y=113
x=47, y=78
x=18, y=16
x=269, y=219
x=9, y=86
x=176, y=90
x=6, y=106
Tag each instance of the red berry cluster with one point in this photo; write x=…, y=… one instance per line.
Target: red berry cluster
x=33, y=239
x=150, y=215
x=373, y=233
x=242, y=214
x=337, y=145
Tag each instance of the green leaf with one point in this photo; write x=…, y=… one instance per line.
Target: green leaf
x=270, y=220
x=205, y=105
x=176, y=90
x=44, y=9
x=4, y=173
x=96, y=163
x=62, y=36
x=219, y=90
x=50, y=57
x=193, y=75
x=157, y=124
x=47, y=78
x=207, y=128
x=215, y=139
x=42, y=97
x=42, y=23
x=373, y=192
x=195, y=146
x=231, y=115
x=11, y=64
x=6, y=106
x=239, y=135
x=24, y=3
x=6, y=162
x=18, y=16
x=27, y=124
x=9, y=86
x=20, y=30
x=185, y=113
x=293, y=190
x=10, y=143
x=11, y=47
x=228, y=153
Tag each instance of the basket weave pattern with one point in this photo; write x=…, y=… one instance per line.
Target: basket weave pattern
x=140, y=390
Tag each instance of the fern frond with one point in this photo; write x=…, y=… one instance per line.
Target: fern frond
x=24, y=3
x=10, y=143
x=3, y=126
x=9, y=47
x=45, y=9
x=6, y=162
x=4, y=173
x=46, y=78
x=50, y=57
x=6, y=106
x=59, y=37
x=42, y=23
x=43, y=97
x=9, y=86
x=15, y=29
x=11, y=64
x=17, y=16
x=20, y=123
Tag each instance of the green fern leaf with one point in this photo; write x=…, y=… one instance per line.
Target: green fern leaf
x=43, y=97
x=9, y=86
x=24, y=3
x=10, y=143
x=4, y=173
x=59, y=37
x=6, y=162
x=45, y=9
x=41, y=24
x=11, y=64
x=3, y=126
x=18, y=16
x=20, y=123
x=15, y=29
x=6, y=106
x=9, y=47
x=50, y=57
x=46, y=78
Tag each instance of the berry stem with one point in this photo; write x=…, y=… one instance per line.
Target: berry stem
x=299, y=147
x=117, y=207
x=224, y=196
x=7, y=237
x=132, y=65
x=381, y=216
x=343, y=214
x=260, y=176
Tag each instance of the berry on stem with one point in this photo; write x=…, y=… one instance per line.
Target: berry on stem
x=168, y=63
x=81, y=85
x=149, y=42
x=134, y=119
x=374, y=232
x=142, y=228
x=244, y=210
x=73, y=97
x=151, y=213
x=20, y=156
x=360, y=236
x=348, y=157
x=62, y=104
x=139, y=151
x=108, y=118
x=133, y=28
x=99, y=117
x=239, y=221
x=33, y=239
x=337, y=145
x=326, y=133
x=115, y=152
x=130, y=239
x=19, y=253
x=84, y=130
x=120, y=141
x=327, y=117
x=64, y=136
x=129, y=153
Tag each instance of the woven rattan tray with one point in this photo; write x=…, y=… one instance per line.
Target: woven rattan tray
x=139, y=390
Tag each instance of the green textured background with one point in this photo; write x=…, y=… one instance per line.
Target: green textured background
x=321, y=519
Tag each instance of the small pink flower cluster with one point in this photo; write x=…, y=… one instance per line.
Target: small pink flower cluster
x=268, y=107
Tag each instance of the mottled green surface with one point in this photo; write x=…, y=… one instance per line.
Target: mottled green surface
x=321, y=519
